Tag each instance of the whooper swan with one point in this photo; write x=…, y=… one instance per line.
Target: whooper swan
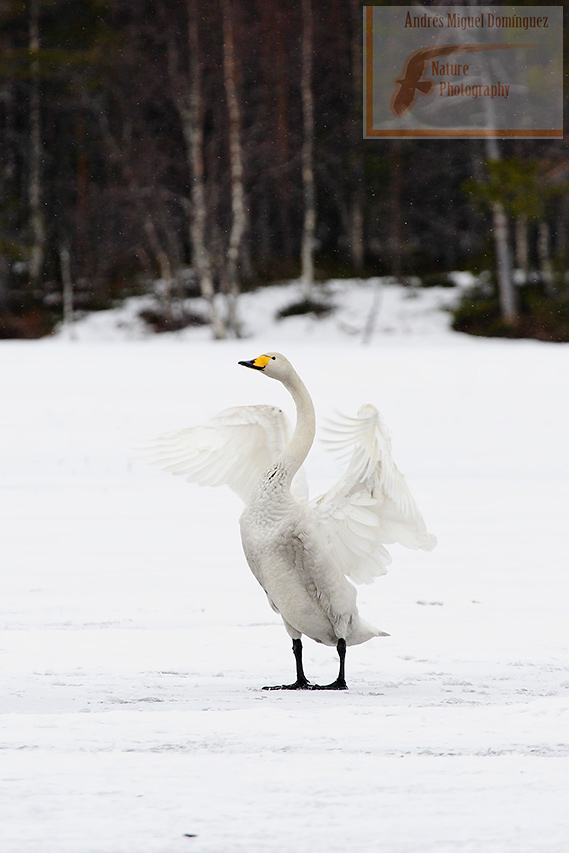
x=303, y=552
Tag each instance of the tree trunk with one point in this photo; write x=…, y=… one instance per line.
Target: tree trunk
x=238, y=209
x=356, y=235
x=307, y=252
x=506, y=293
x=522, y=246
x=165, y=268
x=281, y=89
x=3, y=283
x=562, y=228
x=192, y=126
x=373, y=314
x=544, y=254
x=395, y=228
x=506, y=289
x=37, y=220
x=67, y=284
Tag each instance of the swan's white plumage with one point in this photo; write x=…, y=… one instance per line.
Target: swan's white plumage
x=233, y=449
x=302, y=552
x=371, y=505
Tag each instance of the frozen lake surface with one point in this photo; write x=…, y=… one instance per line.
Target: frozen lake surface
x=135, y=642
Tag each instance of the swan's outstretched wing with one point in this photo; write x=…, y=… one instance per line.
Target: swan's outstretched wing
x=234, y=448
x=371, y=505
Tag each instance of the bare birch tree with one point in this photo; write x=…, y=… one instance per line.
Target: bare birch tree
x=309, y=226
x=191, y=111
x=506, y=289
x=544, y=255
x=67, y=283
x=356, y=235
x=395, y=237
x=522, y=245
x=238, y=206
x=37, y=219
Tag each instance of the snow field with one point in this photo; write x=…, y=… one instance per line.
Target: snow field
x=135, y=641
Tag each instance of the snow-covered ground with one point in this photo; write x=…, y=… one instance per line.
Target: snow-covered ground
x=135, y=641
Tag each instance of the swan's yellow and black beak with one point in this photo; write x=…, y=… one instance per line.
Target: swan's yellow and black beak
x=257, y=363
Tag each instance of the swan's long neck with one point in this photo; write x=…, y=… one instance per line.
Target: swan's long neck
x=297, y=449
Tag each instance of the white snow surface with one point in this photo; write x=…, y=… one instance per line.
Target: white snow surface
x=135, y=642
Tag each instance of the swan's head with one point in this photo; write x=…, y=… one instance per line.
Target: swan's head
x=272, y=364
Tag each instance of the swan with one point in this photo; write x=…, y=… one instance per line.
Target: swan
x=304, y=553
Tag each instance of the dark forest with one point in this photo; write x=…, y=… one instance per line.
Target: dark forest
x=217, y=146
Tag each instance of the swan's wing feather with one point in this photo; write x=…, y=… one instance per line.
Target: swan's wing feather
x=234, y=448
x=371, y=505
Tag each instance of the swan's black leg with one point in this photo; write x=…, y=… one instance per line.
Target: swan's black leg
x=341, y=680
x=301, y=682
x=340, y=683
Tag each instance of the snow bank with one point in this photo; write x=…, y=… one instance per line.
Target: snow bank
x=362, y=309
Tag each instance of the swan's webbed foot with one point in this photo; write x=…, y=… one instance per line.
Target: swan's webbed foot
x=299, y=684
x=339, y=684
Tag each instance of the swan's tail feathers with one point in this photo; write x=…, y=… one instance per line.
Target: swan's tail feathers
x=364, y=631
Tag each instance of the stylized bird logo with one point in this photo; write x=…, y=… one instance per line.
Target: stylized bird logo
x=411, y=84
